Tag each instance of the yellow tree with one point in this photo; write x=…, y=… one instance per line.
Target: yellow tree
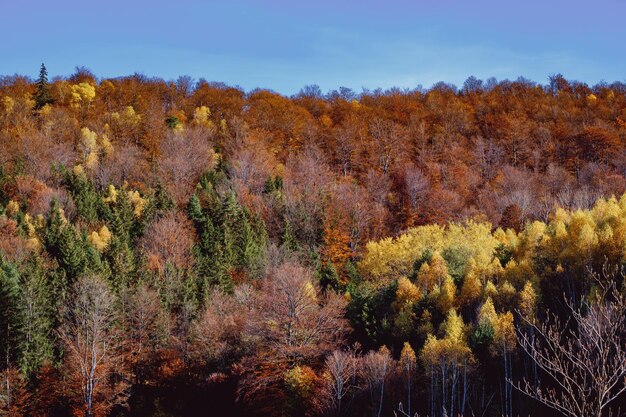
x=503, y=343
x=407, y=365
x=447, y=361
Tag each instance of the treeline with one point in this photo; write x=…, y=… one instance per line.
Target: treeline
x=173, y=247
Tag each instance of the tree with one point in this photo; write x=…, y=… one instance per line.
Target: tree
x=292, y=324
x=585, y=358
x=342, y=377
x=14, y=394
x=377, y=367
x=169, y=240
x=11, y=319
x=408, y=365
x=42, y=94
x=447, y=361
x=92, y=364
x=145, y=328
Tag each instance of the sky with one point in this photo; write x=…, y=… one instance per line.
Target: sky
x=284, y=45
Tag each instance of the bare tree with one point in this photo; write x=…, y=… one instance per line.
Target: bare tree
x=145, y=330
x=93, y=365
x=184, y=157
x=585, y=357
x=378, y=365
x=342, y=370
x=292, y=325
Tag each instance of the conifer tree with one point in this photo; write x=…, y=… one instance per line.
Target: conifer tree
x=10, y=314
x=42, y=94
x=39, y=304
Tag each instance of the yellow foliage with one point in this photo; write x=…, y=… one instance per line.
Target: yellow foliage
x=100, y=239
x=433, y=273
x=33, y=243
x=78, y=170
x=452, y=349
x=504, y=336
x=490, y=290
x=82, y=94
x=105, y=144
x=528, y=300
x=471, y=288
x=300, y=380
x=90, y=148
x=12, y=208
x=487, y=313
x=128, y=116
x=308, y=291
x=506, y=293
x=454, y=327
x=137, y=201
x=406, y=294
x=446, y=299
x=30, y=227
x=91, y=162
x=88, y=138
x=394, y=257
x=201, y=116
x=407, y=357
x=111, y=194
x=7, y=104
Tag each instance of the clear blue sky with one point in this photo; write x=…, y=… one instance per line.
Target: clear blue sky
x=286, y=44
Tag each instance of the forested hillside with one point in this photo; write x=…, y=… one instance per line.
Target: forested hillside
x=179, y=248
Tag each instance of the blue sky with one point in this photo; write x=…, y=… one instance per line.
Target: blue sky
x=284, y=45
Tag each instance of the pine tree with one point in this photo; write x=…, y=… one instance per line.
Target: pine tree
x=43, y=95
x=288, y=239
x=39, y=304
x=10, y=317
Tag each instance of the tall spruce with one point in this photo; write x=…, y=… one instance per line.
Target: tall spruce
x=10, y=314
x=39, y=308
x=42, y=94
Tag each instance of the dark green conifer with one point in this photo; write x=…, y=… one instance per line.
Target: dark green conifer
x=42, y=94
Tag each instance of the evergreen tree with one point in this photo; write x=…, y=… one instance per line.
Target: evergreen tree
x=288, y=239
x=10, y=317
x=39, y=304
x=42, y=94
x=88, y=202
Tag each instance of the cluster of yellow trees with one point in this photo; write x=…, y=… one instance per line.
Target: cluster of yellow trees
x=477, y=279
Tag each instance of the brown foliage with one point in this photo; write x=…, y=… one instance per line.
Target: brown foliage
x=168, y=240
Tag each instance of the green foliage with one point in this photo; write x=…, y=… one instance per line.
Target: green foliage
x=41, y=297
x=231, y=239
x=42, y=93
x=423, y=259
x=288, y=240
x=504, y=254
x=371, y=315
x=172, y=122
x=456, y=260
x=327, y=276
x=86, y=198
x=11, y=319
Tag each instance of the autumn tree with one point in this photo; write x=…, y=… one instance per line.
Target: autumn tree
x=408, y=367
x=145, y=329
x=342, y=368
x=585, y=361
x=14, y=394
x=447, y=362
x=377, y=368
x=93, y=369
x=293, y=325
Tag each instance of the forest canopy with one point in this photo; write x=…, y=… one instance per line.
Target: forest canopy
x=176, y=246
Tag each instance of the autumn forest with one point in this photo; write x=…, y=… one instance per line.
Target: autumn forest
x=188, y=248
